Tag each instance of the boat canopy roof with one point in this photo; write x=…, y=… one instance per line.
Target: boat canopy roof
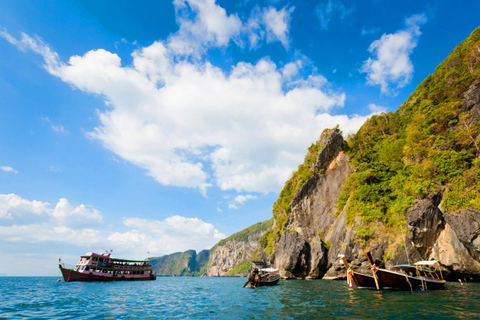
x=270, y=270
x=426, y=263
x=402, y=265
x=90, y=254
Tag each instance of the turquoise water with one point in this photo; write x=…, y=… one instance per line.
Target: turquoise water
x=224, y=298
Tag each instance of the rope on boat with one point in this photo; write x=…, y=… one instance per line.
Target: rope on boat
x=411, y=288
x=424, y=284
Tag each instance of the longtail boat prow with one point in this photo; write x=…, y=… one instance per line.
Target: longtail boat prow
x=422, y=275
x=101, y=267
x=361, y=280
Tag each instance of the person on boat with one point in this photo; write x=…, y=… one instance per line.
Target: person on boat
x=254, y=278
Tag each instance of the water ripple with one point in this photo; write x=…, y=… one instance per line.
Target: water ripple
x=224, y=298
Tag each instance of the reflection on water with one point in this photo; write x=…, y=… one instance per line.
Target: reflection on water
x=224, y=298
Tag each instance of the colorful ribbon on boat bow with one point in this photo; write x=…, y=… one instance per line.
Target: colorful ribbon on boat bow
x=349, y=277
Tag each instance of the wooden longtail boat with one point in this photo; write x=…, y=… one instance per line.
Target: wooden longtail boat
x=100, y=267
x=421, y=275
x=361, y=280
x=260, y=276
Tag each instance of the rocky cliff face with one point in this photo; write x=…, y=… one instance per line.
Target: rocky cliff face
x=302, y=252
x=226, y=257
x=314, y=237
x=232, y=256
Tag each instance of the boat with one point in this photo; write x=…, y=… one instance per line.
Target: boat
x=361, y=280
x=422, y=275
x=261, y=276
x=101, y=267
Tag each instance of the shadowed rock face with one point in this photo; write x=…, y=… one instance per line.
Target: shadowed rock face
x=424, y=224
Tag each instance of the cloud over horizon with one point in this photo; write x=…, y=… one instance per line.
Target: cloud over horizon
x=36, y=223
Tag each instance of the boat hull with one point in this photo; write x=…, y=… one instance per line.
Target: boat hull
x=268, y=283
x=395, y=280
x=363, y=281
x=72, y=275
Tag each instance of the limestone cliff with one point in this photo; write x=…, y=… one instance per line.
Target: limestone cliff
x=302, y=252
x=406, y=187
x=232, y=256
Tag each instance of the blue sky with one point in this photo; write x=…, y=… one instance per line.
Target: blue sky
x=152, y=127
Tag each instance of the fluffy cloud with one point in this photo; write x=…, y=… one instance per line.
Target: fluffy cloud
x=269, y=24
x=36, y=222
x=191, y=124
x=14, y=209
x=175, y=233
x=211, y=26
x=204, y=24
x=391, y=64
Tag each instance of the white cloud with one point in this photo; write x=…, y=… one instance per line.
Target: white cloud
x=210, y=26
x=376, y=109
x=348, y=124
x=391, y=64
x=239, y=200
x=325, y=12
x=175, y=233
x=67, y=215
x=34, y=223
x=269, y=24
x=15, y=209
x=277, y=24
x=12, y=205
x=191, y=124
x=8, y=169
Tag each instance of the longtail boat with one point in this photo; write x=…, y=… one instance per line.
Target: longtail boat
x=261, y=276
x=101, y=267
x=422, y=275
x=361, y=280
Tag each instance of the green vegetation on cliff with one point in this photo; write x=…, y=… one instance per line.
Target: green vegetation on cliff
x=246, y=233
x=430, y=144
x=187, y=263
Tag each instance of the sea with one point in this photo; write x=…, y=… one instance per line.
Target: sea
x=225, y=298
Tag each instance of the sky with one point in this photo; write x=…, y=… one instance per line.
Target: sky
x=154, y=127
